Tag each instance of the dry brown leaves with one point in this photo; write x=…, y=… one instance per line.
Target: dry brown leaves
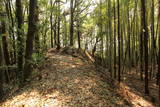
x=67, y=81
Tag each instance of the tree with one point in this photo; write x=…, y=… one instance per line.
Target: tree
x=32, y=28
x=158, y=74
x=153, y=58
x=78, y=19
x=119, y=43
x=145, y=35
x=51, y=22
x=1, y=59
x=11, y=19
x=58, y=27
x=71, y=23
x=5, y=44
x=10, y=57
x=20, y=45
x=129, y=35
x=123, y=35
x=5, y=48
x=111, y=36
x=115, y=44
x=2, y=15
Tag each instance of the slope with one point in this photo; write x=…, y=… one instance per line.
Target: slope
x=69, y=81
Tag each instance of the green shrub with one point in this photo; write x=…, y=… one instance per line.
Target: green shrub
x=37, y=60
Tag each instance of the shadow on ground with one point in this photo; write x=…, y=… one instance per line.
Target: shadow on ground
x=68, y=81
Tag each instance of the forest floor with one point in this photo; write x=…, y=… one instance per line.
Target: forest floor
x=71, y=81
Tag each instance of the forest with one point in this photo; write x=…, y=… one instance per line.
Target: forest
x=79, y=53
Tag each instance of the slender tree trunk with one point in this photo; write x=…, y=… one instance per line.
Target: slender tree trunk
x=145, y=34
x=101, y=35
x=119, y=43
x=20, y=44
x=51, y=22
x=129, y=38
x=55, y=32
x=78, y=22
x=153, y=40
x=30, y=37
x=158, y=74
x=65, y=32
x=115, y=44
x=1, y=71
x=111, y=38
x=71, y=23
x=141, y=55
x=58, y=32
x=13, y=34
x=79, y=35
x=5, y=50
x=5, y=44
x=133, y=56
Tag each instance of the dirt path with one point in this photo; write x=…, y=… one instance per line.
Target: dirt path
x=68, y=81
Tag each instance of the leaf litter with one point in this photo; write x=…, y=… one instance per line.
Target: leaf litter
x=67, y=81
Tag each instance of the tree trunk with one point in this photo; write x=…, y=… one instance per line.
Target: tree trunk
x=110, y=33
x=119, y=43
x=58, y=33
x=1, y=71
x=55, y=32
x=20, y=45
x=30, y=37
x=153, y=40
x=79, y=34
x=11, y=31
x=71, y=23
x=5, y=44
x=13, y=34
x=115, y=44
x=51, y=22
x=158, y=74
x=129, y=38
x=145, y=35
x=5, y=50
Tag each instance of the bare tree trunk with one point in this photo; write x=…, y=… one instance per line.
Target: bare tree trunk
x=79, y=35
x=20, y=44
x=111, y=38
x=5, y=50
x=129, y=38
x=5, y=44
x=71, y=23
x=55, y=32
x=30, y=37
x=158, y=74
x=145, y=35
x=153, y=40
x=115, y=44
x=58, y=33
x=51, y=22
x=119, y=43
x=1, y=63
x=11, y=31
x=13, y=34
